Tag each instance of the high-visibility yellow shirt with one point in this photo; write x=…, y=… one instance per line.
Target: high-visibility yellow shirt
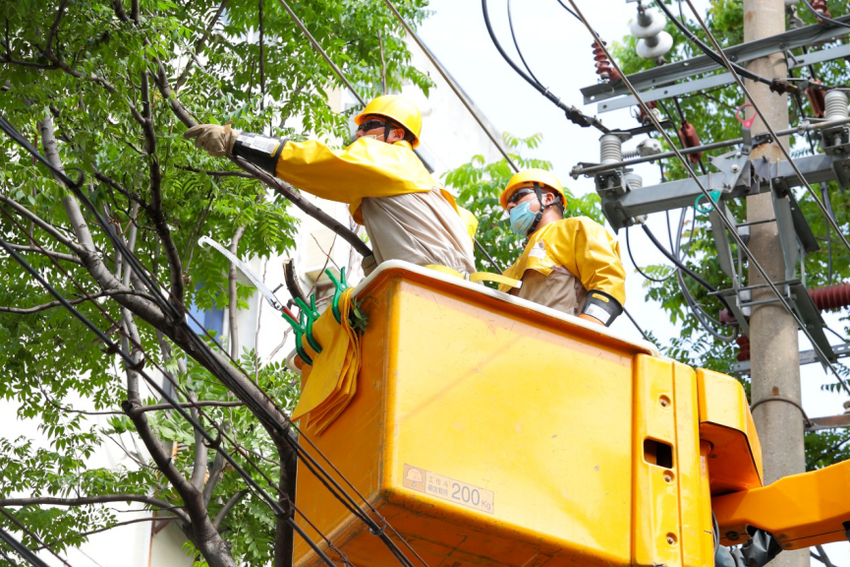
x=366, y=168
x=581, y=246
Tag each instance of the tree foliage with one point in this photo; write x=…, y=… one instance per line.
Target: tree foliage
x=713, y=115
x=478, y=186
x=105, y=89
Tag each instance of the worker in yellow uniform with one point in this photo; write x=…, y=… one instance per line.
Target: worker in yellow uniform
x=572, y=265
x=408, y=215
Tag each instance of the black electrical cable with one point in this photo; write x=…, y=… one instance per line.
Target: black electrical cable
x=259, y=408
x=824, y=18
x=7, y=558
x=516, y=45
x=707, y=50
x=635, y=264
x=128, y=359
x=201, y=411
x=682, y=266
x=573, y=113
x=33, y=536
x=753, y=261
x=632, y=319
x=567, y=8
x=21, y=549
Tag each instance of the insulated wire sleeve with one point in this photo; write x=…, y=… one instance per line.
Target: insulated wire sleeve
x=741, y=244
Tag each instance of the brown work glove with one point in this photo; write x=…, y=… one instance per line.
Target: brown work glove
x=214, y=139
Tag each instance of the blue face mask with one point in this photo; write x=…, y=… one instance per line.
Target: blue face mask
x=522, y=218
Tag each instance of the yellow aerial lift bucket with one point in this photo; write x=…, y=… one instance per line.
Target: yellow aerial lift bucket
x=488, y=430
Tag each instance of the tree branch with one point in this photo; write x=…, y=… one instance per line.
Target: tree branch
x=77, y=301
x=200, y=45
x=215, y=475
x=278, y=185
x=199, y=465
x=86, y=248
x=216, y=173
x=125, y=523
x=154, y=209
x=101, y=499
x=52, y=32
x=63, y=66
x=42, y=224
x=228, y=506
x=46, y=252
x=232, y=296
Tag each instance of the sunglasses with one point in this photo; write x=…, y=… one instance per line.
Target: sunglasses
x=371, y=125
x=519, y=194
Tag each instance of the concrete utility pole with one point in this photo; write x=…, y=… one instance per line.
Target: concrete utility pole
x=775, y=358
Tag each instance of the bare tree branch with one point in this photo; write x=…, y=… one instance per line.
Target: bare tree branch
x=228, y=506
x=77, y=301
x=52, y=32
x=199, y=465
x=216, y=173
x=154, y=209
x=199, y=45
x=100, y=499
x=86, y=248
x=278, y=185
x=125, y=523
x=232, y=297
x=46, y=252
x=215, y=475
x=63, y=66
x=118, y=7
x=42, y=224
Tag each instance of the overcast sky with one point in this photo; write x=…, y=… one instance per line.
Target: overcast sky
x=558, y=49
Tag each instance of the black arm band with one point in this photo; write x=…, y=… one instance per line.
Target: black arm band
x=602, y=306
x=262, y=151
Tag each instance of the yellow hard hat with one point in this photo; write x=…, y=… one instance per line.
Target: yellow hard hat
x=398, y=109
x=526, y=179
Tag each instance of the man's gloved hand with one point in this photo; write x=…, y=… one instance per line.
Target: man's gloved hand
x=216, y=140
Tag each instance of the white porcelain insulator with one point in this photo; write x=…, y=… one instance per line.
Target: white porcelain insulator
x=836, y=105
x=655, y=24
x=665, y=44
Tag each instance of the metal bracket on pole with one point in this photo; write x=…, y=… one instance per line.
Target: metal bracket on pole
x=659, y=83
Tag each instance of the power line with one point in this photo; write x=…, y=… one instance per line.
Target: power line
x=452, y=84
x=33, y=536
x=128, y=359
x=21, y=549
x=727, y=223
x=573, y=114
x=824, y=18
x=258, y=408
x=733, y=70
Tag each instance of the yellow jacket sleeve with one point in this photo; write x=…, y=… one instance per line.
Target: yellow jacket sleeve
x=366, y=168
x=581, y=246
